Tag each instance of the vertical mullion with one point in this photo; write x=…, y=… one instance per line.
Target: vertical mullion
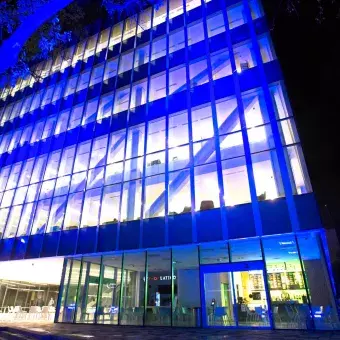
x=122, y=287
x=146, y=275
x=77, y=290
x=172, y=286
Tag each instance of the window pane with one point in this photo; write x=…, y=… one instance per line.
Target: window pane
x=215, y=25
x=97, y=75
x=125, y=62
x=111, y=68
x=13, y=221
x=26, y=219
x=57, y=213
x=135, y=142
x=179, y=158
x=177, y=80
x=176, y=8
x=52, y=165
x=98, y=153
x=116, y=34
x=245, y=250
x=220, y=65
x=75, y=119
x=82, y=158
x=41, y=216
x=154, y=196
x=121, y=100
x=195, y=33
x=142, y=55
x=178, y=129
x=103, y=40
x=244, y=57
x=179, y=192
x=130, y=27
x=206, y=187
x=236, y=15
x=176, y=41
x=105, y=106
x=131, y=200
x=202, y=124
x=90, y=113
x=91, y=207
x=62, y=122
x=159, y=15
x=110, y=204
x=198, y=73
x=138, y=96
x=144, y=22
x=66, y=162
x=73, y=211
x=156, y=135
x=78, y=182
x=159, y=265
x=266, y=49
x=157, y=87
x=116, y=147
x=158, y=48
x=255, y=109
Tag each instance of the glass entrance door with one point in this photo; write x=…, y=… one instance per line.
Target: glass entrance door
x=235, y=295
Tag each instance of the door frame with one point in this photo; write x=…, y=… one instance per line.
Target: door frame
x=227, y=268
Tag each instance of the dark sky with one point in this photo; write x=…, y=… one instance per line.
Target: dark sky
x=309, y=54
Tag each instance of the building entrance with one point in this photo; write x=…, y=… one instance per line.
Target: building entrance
x=235, y=295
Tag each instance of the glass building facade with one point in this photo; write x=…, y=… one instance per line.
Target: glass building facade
x=160, y=157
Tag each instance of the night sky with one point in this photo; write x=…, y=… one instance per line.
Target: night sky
x=309, y=54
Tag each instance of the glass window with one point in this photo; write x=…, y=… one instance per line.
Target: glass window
x=95, y=178
x=132, y=302
x=116, y=34
x=212, y=253
x=266, y=49
x=135, y=142
x=83, y=81
x=14, y=176
x=116, y=147
x=90, y=113
x=191, y=4
x=158, y=48
x=159, y=14
x=236, y=15
x=71, y=86
x=67, y=58
x=56, y=62
x=26, y=219
x=105, y=106
x=26, y=135
x=47, y=188
x=131, y=200
x=103, y=40
x=255, y=9
x=154, y=203
x=91, y=207
x=177, y=80
x=178, y=129
x=156, y=135
x=142, y=55
x=186, y=300
x=176, y=8
x=3, y=219
x=98, y=153
x=78, y=182
x=144, y=22
x=97, y=74
x=25, y=173
x=15, y=140
x=82, y=157
x=130, y=27
x=33, y=192
x=195, y=33
x=111, y=68
x=260, y=138
x=62, y=122
x=114, y=173
x=125, y=62
x=215, y=25
x=37, y=131
x=317, y=279
x=47, y=96
x=281, y=104
x=49, y=127
x=206, y=187
x=26, y=105
x=62, y=186
x=198, y=72
x=138, y=95
x=76, y=114
x=66, y=162
x=227, y=115
x=13, y=222
x=157, y=87
x=133, y=168
x=159, y=265
x=286, y=283
x=244, y=57
x=179, y=192
x=57, y=214
x=121, y=100
x=5, y=142
x=255, y=109
x=202, y=124
x=73, y=211
x=7, y=198
x=110, y=204
x=231, y=146
x=245, y=250
x=288, y=132
x=41, y=217
x=176, y=40
x=220, y=65
x=155, y=163
x=267, y=175
x=52, y=165
x=110, y=290
x=179, y=158
x=79, y=52
x=39, y=168
x=20, y=195
x=91, y=46
x=297, y=170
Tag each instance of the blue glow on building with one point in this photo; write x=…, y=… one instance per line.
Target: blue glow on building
x=160, y=157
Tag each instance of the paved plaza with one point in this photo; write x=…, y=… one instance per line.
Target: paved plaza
x=52, y=331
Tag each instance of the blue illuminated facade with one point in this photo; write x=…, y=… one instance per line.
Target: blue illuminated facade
x=160, y=157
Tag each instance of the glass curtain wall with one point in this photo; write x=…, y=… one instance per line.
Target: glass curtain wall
x=162, y=287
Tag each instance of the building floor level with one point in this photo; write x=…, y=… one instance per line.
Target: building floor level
x=270, y=282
